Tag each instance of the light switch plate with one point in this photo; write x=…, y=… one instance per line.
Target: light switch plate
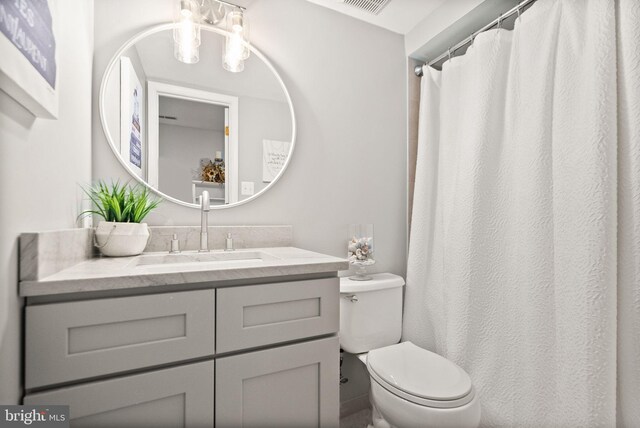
x=246, y=188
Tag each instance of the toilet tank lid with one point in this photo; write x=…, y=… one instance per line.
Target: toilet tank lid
x=378, y=281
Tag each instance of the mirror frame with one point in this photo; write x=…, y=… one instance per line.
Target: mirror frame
x=204, y=27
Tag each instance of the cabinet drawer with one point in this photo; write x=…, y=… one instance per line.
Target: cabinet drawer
x=177, y=397
x=258, y=315
x=77, y=340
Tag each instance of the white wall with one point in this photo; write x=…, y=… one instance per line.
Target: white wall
x=347, y=81
x=42, y=162
x=436, y=23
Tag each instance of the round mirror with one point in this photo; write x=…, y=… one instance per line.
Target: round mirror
x=182, y=129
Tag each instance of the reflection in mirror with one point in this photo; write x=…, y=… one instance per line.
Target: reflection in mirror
x=184, y=128
x=192, y=139
x=188, y=132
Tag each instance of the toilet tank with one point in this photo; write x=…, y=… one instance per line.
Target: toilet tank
x=370, y=312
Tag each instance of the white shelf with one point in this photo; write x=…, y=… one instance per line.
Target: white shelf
x=219, y=196
x=206, y=183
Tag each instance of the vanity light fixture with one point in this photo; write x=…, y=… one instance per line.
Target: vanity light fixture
x=186, y=36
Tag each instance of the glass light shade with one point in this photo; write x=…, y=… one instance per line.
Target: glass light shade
x=232, y=64
x=186, y=54
x=237, y=42
x=186, y=36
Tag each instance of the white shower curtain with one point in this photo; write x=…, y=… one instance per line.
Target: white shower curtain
x=524, y=257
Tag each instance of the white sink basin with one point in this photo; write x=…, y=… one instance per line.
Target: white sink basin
x=214, y=257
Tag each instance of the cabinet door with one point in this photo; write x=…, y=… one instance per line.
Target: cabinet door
x=289, y=386
x=175, y=397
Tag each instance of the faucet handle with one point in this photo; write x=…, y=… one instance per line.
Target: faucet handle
x=175, y=244
x=229, y=246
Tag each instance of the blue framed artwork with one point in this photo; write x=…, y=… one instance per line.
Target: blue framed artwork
x=29, y=69
x=132, y=124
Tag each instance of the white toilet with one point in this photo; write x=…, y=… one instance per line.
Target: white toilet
x=410, y=386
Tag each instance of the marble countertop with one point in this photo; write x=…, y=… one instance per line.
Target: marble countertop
x=102, y=273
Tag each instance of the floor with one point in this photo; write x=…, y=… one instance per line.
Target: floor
x=359, y=419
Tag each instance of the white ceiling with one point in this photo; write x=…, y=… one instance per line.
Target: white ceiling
x=399, y=16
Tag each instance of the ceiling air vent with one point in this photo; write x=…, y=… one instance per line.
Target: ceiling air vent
x=372, y=6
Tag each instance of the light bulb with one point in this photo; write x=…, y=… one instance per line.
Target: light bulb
x=234, y=46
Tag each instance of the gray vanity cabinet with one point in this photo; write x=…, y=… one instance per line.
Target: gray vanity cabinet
x=287, y=386
x=269, y=354
x=175, y=397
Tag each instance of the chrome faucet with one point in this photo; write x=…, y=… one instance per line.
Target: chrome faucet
x=204, y=223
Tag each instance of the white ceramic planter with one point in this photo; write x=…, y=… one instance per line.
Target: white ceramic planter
x=115, y=239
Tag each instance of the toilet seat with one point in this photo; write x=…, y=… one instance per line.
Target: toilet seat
x=420, y=376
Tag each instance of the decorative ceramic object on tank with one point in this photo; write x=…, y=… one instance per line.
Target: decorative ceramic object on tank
x=360, y=250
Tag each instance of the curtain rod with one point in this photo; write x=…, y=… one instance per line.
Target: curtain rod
x=498, y=21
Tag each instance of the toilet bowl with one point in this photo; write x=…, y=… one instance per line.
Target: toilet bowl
x=410, y=386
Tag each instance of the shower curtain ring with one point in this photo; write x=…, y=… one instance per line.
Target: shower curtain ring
x=518, y=13
x=449, y=52
x=500, y=22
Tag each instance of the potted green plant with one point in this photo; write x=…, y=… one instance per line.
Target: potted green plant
x=122, y=208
